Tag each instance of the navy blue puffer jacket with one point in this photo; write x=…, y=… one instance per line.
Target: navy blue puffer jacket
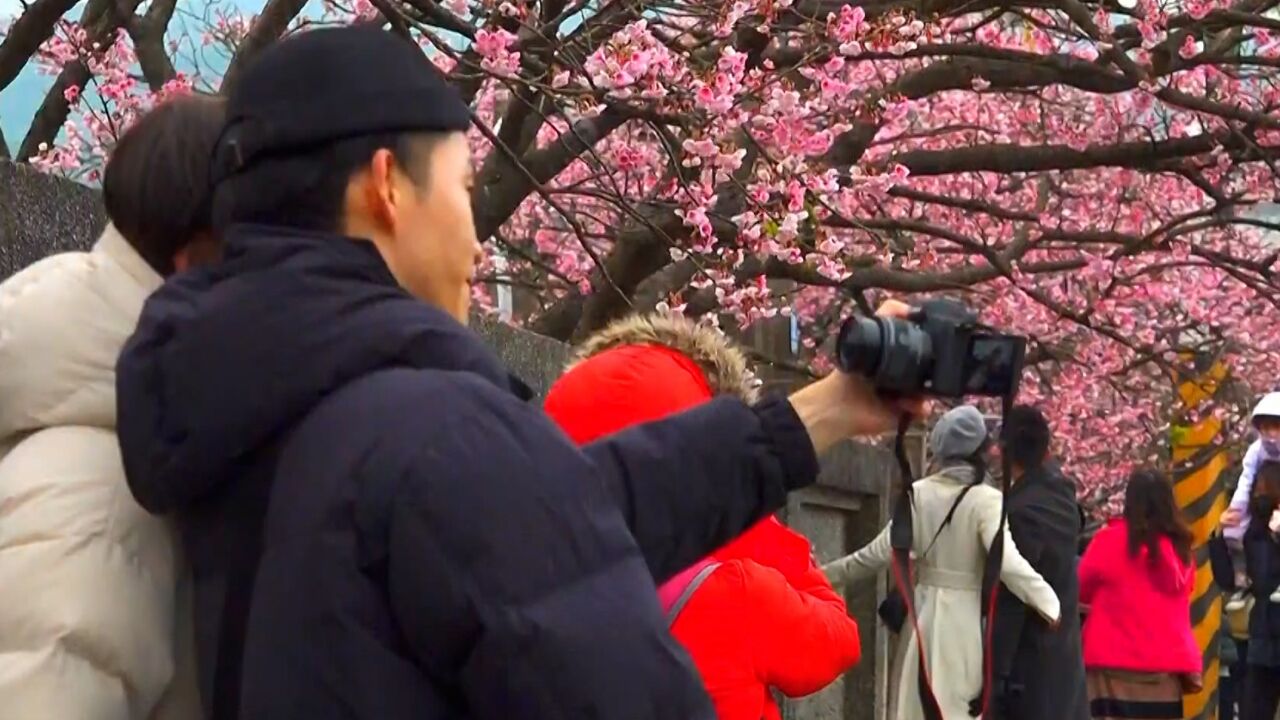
x=381, y=526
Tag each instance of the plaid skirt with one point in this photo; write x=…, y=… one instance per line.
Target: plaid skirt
x=1122, y=695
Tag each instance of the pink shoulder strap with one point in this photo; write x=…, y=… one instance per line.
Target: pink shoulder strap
x=670, y=591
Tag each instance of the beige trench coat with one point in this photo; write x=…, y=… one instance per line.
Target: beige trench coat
x=948, y=589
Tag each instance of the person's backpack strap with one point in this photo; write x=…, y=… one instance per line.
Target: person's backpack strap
x=688, y=591
x=951, y=513
x=893, y=609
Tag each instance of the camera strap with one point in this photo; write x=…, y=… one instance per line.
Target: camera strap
x=901, y=539
x=991, y=576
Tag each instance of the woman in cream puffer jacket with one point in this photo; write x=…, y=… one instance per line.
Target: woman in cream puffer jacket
x=94, y=624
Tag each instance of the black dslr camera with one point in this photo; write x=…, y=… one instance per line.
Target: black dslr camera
x=941, y=350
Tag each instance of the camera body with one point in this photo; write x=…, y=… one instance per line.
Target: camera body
x=940, y=350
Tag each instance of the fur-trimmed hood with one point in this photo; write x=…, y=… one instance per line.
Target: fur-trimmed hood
x=724, y=365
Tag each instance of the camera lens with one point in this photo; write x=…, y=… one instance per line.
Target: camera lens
x=858, y=347
x=896, y=355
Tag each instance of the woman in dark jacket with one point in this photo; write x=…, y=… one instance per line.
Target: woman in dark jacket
x=1262, y=558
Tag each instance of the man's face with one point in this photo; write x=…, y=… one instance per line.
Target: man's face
x=424, y=230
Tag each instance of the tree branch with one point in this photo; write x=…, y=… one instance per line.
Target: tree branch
x=148, y=42
x=912, y=281
x=102, y=18
x=266, y=29
x=501, y=186
x=559, y=321
x=817, y=9
x=432, y=14
x=969, y=205
x=53, y=112
x=524, y=116
x=1004, y=69
x=637, y=253
x=1014, y=158
x=664, y=283
x=27, y=34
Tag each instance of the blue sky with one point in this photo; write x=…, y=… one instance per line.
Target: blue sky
x=22, y=97
x=18, y=101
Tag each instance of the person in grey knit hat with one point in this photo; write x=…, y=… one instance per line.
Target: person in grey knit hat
x=958, y=436
x=955, y=520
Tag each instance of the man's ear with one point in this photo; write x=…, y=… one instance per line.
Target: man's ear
x=376, y=191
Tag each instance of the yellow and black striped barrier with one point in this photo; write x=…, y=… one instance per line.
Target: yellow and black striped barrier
x=1198, y=466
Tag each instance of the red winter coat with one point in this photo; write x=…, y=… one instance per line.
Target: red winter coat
x=766, y=617
x=751, y=627
x=1139, y=611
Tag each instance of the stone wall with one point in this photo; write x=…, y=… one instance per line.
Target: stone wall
x=841, y=513
x=40, y=215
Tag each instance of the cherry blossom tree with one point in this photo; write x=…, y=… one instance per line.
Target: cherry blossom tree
x=1092, y=174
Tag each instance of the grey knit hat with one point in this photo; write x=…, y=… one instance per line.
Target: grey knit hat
x=958, y=434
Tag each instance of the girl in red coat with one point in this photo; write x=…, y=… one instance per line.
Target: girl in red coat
x=757, y=614
x=1136, y=577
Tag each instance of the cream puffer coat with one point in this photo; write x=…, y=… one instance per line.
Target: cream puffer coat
x=94, y=622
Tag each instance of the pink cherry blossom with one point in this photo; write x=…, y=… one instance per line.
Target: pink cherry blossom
x=766, y=163
x=494, y=46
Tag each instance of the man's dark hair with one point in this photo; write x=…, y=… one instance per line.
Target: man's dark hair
x=156, y=183
x=1025, y=436
x=307, y=190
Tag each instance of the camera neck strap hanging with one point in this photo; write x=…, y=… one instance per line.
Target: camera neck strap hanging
x=901, y=538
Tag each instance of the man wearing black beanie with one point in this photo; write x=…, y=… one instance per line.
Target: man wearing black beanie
x=379, y=524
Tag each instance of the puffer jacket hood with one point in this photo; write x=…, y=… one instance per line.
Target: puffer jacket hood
x=645, y=368
x=192, y=415
x=73, y=382
x=723, y=365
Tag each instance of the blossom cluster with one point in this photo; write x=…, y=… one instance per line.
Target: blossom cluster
x=102, y=109
x=1082, y=185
